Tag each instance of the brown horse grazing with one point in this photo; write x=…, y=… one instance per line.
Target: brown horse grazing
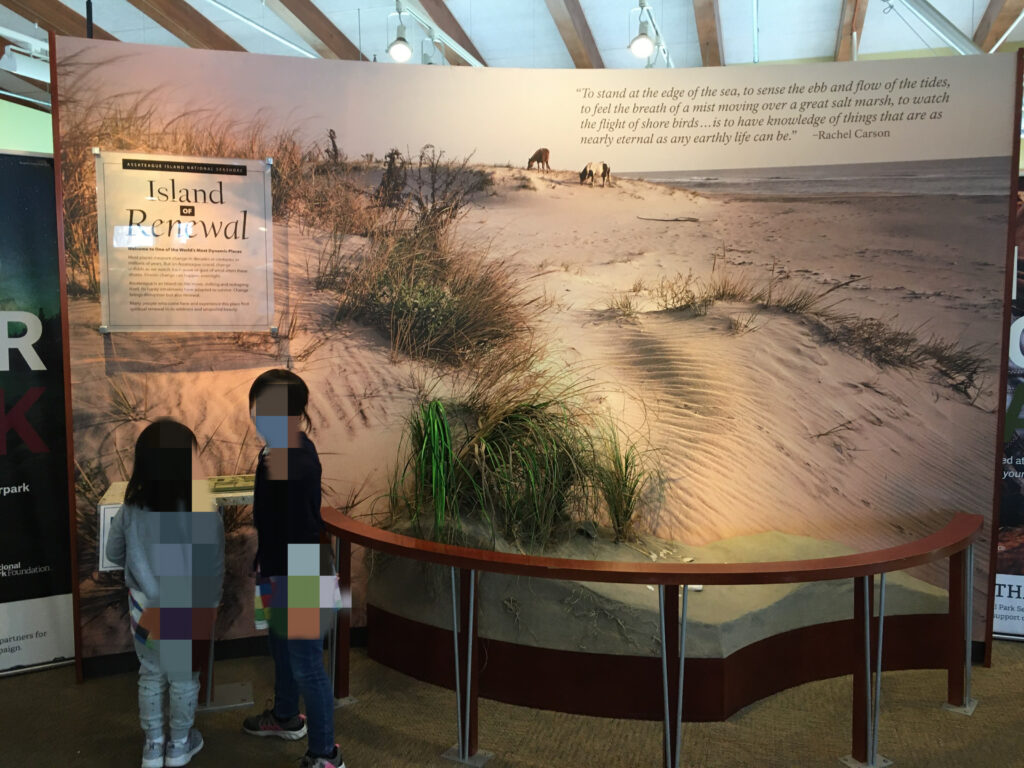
x=540, y=157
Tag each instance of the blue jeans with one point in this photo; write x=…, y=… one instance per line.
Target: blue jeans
x=299, y=669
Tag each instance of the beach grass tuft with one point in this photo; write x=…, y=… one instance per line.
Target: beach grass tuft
x=962, y=367
x=875, y=339
x=743, y=323
x=623, y=305
x=623, y=475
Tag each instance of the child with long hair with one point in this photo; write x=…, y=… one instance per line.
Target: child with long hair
x=171, y=544
x=290, y=565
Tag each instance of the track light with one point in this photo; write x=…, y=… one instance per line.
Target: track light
x=400, y=50
x=642, y=46
x=24, y=65
x=428, y=48
x=648, y=43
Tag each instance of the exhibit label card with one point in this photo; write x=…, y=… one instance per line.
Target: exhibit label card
x=186, y=243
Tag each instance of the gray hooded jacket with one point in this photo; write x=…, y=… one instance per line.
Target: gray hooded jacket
x=174, y=559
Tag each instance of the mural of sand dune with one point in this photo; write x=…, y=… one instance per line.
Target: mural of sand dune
x=758, y=421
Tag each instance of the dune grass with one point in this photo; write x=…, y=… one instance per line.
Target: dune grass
x=623, y=305
x=623, y=475
x=522, y=450
x=433, y=296
x=879, y=340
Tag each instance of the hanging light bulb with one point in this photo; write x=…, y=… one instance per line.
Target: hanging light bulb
x=400, y=50
x=642, y=46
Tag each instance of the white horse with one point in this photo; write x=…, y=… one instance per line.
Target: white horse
x=591, y=171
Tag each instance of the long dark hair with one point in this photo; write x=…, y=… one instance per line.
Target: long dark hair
x=162, y=476
x=295, y=387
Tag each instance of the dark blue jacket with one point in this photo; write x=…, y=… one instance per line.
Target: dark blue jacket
x=287, y=511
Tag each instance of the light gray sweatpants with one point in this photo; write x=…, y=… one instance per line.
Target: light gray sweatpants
x=164, y=670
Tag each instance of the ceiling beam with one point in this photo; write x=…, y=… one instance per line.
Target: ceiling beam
x=438, y=11
x=56, y=17
x=998, y=18
x=318, y=32
x=575, y=31
x=709, y=32
x=187, y=24
x=851, y=20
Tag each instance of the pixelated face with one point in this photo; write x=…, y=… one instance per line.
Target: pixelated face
x=270, y=416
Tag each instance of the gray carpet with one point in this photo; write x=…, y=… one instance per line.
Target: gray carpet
x=48, y=720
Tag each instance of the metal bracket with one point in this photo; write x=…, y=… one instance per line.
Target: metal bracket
x=345, y=702
x=228, y=696
x=480, y=758
x=851, y=762
x=966, y=709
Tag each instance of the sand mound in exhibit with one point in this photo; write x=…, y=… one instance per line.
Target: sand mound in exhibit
x=623, y=619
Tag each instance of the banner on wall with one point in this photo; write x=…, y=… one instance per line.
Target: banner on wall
x=1008, y=606
x=186, y=243
x=35, y=554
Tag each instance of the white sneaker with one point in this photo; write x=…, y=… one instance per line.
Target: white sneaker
x=181, y=752
x=153, y=754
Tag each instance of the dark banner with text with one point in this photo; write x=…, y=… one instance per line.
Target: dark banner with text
x=35, y=571
x=1008, y=610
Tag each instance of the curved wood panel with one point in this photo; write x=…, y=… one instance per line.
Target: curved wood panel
x=955, y=537
x=605, y=685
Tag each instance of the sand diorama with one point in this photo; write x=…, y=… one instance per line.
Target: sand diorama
x=702, y=370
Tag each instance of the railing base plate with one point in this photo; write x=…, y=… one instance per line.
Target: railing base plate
x=851, y=762
x=228, y=696
x=480, y=758
x=966, y=709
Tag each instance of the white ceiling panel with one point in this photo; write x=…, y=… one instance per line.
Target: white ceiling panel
x=125, y=22
x=737, y=22
x=804, y=30
x=14, y=22
x=512, y=34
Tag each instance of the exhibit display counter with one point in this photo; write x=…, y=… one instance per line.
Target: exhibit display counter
x=816, y=652
x=221, y=491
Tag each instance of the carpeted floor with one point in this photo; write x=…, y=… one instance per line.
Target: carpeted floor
x=398, y=722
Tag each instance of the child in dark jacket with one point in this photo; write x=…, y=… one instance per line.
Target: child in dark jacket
x=170, y=541
x=286, y=512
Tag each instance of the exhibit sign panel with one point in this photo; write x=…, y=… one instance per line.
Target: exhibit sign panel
x=36, y=625
x=186, y=243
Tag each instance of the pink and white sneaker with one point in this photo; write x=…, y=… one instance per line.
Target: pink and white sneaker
x=335, y=761
x=267, y=724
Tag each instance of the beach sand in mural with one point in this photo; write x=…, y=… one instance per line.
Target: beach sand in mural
x=759, y=421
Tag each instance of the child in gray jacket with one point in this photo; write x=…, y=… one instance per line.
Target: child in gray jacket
x=171, y=544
